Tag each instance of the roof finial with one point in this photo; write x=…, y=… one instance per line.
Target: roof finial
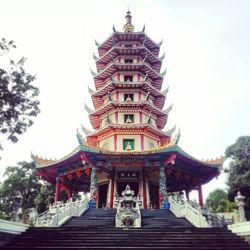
x=128, y=27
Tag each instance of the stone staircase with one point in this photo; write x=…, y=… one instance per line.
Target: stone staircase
x=94, y=218
x=95, y=230
x=162, y=218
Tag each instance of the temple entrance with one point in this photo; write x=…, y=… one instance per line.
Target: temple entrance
x=154, y=195
x=121, y=186
x=102, y=195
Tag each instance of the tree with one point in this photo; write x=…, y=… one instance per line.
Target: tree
x=239, y=169
x=36, y=194
x=21, y=178
x=218, y=202
x=18, y=104
x=45, y=197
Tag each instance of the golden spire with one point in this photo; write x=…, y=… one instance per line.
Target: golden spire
x=128, y=27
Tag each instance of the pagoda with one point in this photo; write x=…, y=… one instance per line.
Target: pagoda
x=128, y=144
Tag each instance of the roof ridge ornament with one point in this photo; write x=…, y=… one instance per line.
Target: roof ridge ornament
x=166, y=111
x=97, y=44
x=165, y=91
x=171, y=130
x=89, y=110
x=143, y=29
x=114, y=30
x=177, y=137
x=160, y=43
x=91, y=91
x=95, y=57
x=85, y=131
x=93, y=72
x=164, y=72
x=162, y=57
x=128, y=26
x=79, y=137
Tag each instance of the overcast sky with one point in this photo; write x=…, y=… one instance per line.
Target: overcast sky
x=207, y=60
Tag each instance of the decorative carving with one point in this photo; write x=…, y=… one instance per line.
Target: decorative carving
x=151, y=145
x=106, y=145
x=162, y=187
x=93, y=186
x=128, y=210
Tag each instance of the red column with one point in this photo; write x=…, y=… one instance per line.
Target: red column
x=57, y=189
x=115, y=142
x=140, y=117
x=144, y=190
x=112, y=185
x=200, y=195
x=142, y=142
x=116, y=116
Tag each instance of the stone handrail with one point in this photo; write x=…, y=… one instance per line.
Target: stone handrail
x=12, y=227
x=184, y=209
x=241, y=228
x=59, y=213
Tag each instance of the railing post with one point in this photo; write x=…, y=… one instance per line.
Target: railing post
x=57, y=216
x=199, y=216
x=70, y=207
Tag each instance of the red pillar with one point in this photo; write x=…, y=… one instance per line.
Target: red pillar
x=112, y=185
x=57, y=189
x=200, y=195
x=142, y=142
x=144, y=192
x=116, y=116
x=115, y=142
x=140, y=117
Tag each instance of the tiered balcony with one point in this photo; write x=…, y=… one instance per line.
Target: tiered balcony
x=134, y=36
x=146, y=86
x=141, y=51
x=162, y=116
x=142, y=67
x=136, y=128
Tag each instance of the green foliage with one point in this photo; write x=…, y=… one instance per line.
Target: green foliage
x=17, y=96
x=44, y=198
x=239, y=169
x=218, y=202
x=20, y=178
x=3, y=216
x=23, y=178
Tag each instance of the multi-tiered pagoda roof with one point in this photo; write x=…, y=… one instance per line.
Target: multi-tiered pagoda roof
x=128, y=118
